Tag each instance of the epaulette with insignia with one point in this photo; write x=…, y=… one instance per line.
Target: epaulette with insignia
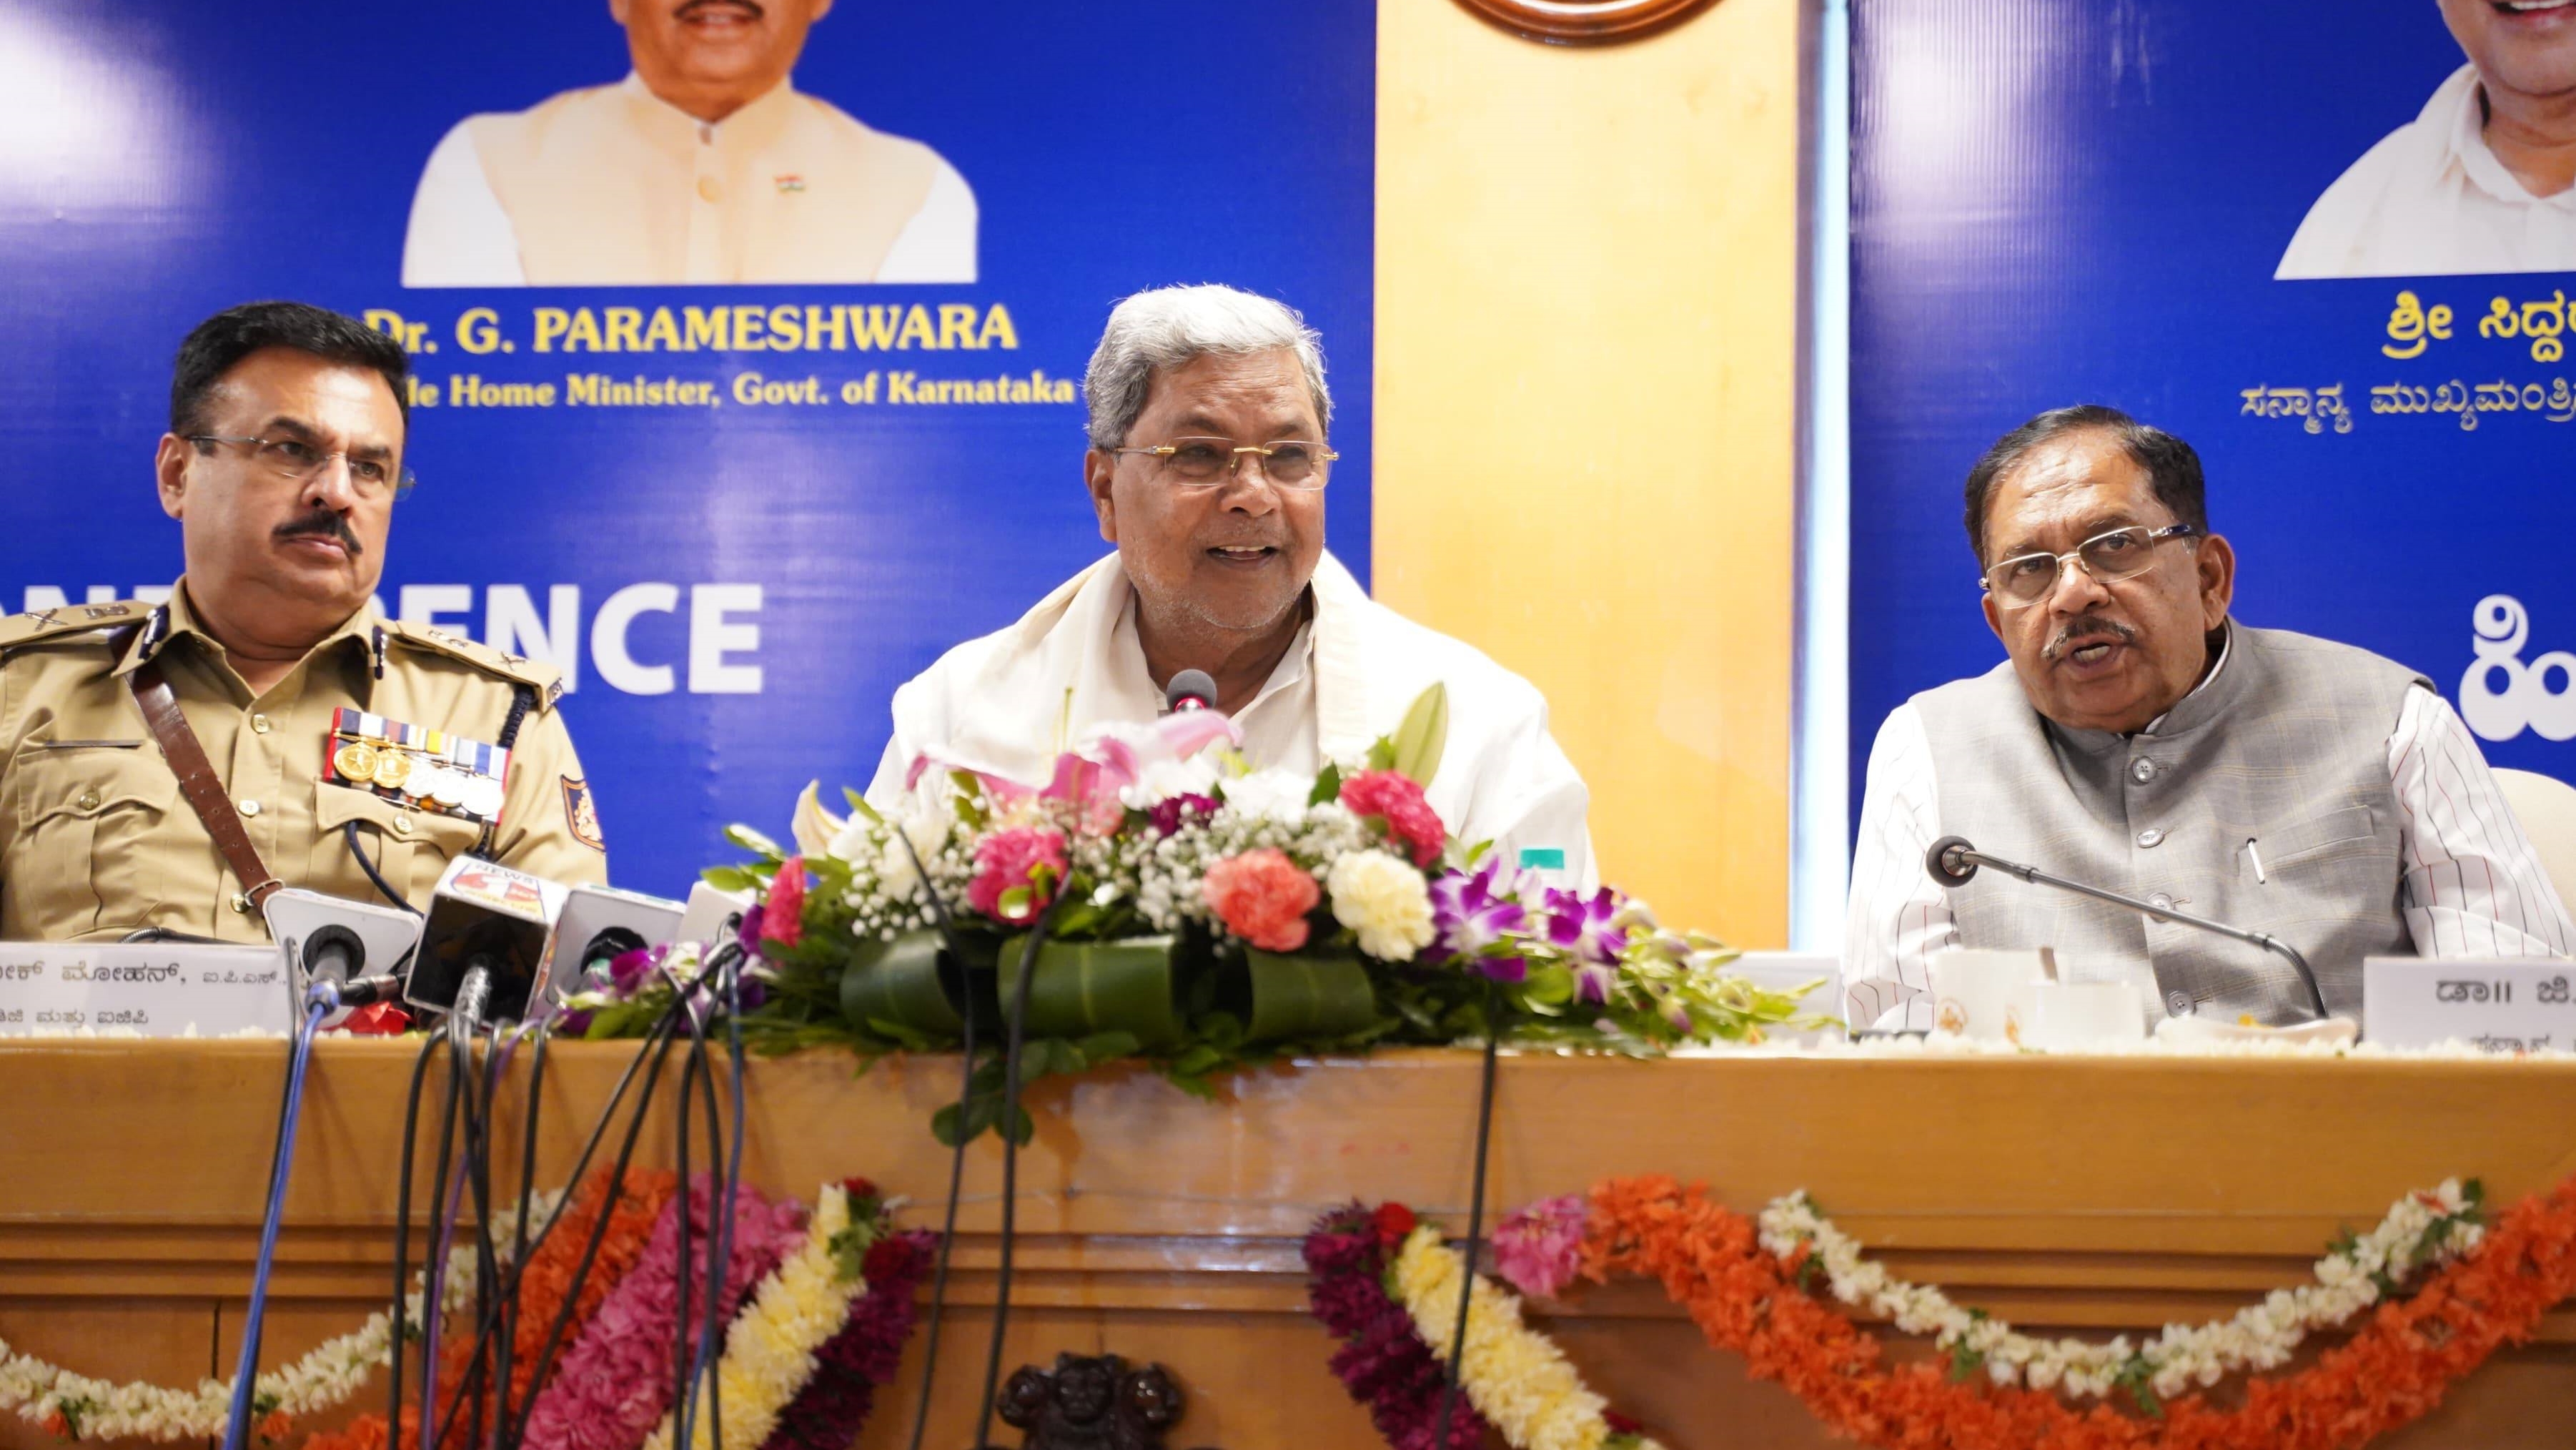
x=544, y=679
x=70, y=619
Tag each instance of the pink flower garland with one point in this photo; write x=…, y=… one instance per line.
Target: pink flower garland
x=1383, y=1362
x=615, y=1381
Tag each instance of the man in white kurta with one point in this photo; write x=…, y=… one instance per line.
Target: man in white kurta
x=705, y=165
x=1207, y=469
x=2480, y=180
x=1347, y=679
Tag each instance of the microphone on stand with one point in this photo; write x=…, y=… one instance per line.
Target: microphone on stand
x=1951, y=860
x=482, y=952
x=1190, y=690
x=328, y=939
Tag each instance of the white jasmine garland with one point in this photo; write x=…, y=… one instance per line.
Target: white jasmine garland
x=325, y=1378
x=1384, y=900
x=2260, y=1337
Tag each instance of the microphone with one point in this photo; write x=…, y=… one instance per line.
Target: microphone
x=1190, y=690
x=599, y=922
x=1952, y=861
x=329, y=939
x=483, y=946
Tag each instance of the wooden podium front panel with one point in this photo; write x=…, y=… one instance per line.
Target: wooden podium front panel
x=2089, y=1194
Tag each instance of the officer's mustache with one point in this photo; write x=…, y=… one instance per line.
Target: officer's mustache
x=699, y=7
x=321, y=523
x=2091, y=626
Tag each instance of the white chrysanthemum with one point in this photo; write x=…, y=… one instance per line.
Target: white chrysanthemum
x=1271, y=795
x=1384, y=900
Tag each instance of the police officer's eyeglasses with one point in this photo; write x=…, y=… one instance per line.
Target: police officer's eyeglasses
x=2025, y=579
x=294, y=459
x=1291, y=463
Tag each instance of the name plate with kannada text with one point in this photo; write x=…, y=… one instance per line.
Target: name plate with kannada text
x=156, y=989
x=2503, y=1004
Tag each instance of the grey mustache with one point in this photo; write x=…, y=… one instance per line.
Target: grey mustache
x=2090, y=627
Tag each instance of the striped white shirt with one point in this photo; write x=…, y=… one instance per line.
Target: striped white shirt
x=2473, y=885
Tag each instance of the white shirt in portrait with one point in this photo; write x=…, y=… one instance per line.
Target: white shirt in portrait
x=462, y=234
x=2432, y=200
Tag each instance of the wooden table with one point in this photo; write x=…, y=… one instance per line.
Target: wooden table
x=2086, y=1194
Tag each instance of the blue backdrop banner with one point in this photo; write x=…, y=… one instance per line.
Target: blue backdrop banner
x=2062, y=201
x=740, y=425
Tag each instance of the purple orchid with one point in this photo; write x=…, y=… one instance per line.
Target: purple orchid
x=1472, y=916
x=1586, y=928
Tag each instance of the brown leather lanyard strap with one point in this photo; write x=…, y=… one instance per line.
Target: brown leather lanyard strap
x=197, y=782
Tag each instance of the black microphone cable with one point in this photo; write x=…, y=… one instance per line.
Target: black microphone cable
x=1014, y=1030
x=430, y=1044
x=957, y=1153
x=1475, y=1208
x=657, y=1046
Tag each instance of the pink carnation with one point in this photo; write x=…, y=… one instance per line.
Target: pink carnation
x=1539, y=1249
x=1021, y=856
x=1262, y=897
x=1396, y=800
x=784, y=920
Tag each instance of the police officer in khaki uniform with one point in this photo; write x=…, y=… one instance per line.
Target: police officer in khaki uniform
x=356, y=755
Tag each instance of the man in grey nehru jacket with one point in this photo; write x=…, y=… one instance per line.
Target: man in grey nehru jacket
x=2140, y=740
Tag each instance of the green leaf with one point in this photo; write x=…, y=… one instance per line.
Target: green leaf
x=1083, y=987
x=729, y=878
x=1197, y=1061
x=1328, y=787
x=859, y=803
x=1023, y=1127
x=1192, y=1083
x=1300, y=995
x=943, y=1126
x=1419, y=741
x=1107, y=1046
x=753, y=841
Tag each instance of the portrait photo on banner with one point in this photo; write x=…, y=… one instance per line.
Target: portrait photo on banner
x=2328, y=246
x=746, y=336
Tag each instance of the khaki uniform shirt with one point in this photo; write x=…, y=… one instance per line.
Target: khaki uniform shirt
x=96, y=840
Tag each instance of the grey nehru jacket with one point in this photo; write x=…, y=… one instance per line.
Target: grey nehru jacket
x=2286, y=746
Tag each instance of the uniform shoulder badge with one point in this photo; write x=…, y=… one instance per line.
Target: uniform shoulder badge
x=545, y=679
x=70, y=619
x=581, y=814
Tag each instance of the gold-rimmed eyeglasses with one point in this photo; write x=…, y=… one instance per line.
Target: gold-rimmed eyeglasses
x=2025, y=579
x=298, y=461
x=1293, y=463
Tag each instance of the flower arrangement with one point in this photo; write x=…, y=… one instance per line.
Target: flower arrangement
x=1187, y=908
x=2429, y=1293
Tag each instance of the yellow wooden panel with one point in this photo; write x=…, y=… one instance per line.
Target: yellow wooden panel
x=1586, y=410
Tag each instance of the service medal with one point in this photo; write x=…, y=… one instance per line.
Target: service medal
x=452, y=785
x=393, y=767
x=483, y=797
x=423, y=782
x=356, y=762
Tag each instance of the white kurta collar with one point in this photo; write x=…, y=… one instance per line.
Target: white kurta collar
x=1071, y=629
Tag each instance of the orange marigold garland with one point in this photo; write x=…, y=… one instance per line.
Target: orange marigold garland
x=549, y=1273
x=541, y=1296
x=2393, y=1370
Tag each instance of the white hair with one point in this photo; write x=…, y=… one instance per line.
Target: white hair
x=1169, y=326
